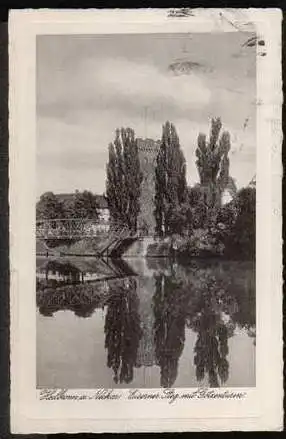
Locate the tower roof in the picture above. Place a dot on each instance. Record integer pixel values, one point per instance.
(148, 144)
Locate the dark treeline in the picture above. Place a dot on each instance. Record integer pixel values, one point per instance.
(78, 205)
(197, 215)
(196, 218)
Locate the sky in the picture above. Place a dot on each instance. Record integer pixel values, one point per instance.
(88, 85)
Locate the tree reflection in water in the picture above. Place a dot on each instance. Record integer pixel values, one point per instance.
(169, 311)
(218, 305)
(212, 302)
(122, 330)
(211, 349)
(212, 299)
(207, 314)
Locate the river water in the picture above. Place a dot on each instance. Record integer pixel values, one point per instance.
(145, 323)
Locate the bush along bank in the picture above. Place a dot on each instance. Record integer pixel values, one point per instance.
(228, 232)
(202, 244)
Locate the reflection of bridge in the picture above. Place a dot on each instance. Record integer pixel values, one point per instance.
(70, 287)
(114, 236)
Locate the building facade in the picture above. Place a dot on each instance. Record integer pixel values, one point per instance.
(148, 150)
(103, 210)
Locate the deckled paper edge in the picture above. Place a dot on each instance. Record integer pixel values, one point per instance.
(20, 422)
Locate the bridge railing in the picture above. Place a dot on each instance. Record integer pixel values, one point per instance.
(69, 228)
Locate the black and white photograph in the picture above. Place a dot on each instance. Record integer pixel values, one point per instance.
(145, 194)
(146, 175)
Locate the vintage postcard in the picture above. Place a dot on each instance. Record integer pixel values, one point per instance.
(145, 220)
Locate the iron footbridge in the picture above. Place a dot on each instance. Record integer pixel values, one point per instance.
(113, 237)
(70, 228)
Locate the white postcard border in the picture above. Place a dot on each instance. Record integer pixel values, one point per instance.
(262, 406)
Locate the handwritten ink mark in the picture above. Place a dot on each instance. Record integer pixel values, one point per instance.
(253, 41)
(250, 42)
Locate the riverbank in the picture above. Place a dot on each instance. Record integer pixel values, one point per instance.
(89, 247)
(198, 245)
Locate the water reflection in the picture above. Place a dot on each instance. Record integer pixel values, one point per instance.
(211, 349)
(170, 315)
(209, 317)
(152, 311)
(122, 331)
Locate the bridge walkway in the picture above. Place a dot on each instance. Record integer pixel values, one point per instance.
(113, 237)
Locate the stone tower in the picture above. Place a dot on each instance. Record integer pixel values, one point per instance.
(148, 150)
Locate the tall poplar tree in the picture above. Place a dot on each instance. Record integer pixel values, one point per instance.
(213, 163)
(124, 178)
(170, 179)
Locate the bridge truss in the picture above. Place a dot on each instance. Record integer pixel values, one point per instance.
(78, 228)
(113, 236)
(70, 228)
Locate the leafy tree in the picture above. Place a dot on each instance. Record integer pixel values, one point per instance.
(49, 207)
(241, 239)
(124, 178)
(213, 163)
(180, 220)
(198, 207)
(170, 180)
(133, 176)
(85, 205)
(112, 192)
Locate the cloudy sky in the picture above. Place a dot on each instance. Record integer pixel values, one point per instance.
(89, 85)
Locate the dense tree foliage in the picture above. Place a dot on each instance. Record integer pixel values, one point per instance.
(213, 163)
(85, 205)
(228, 230)
(241, 238)
(80, 205)
(124, 178)
(198, 215)
(49, 207)
(170, 181)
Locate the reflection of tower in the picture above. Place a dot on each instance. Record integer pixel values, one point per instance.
(169, 312)
(146, 350)
(148, 151)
